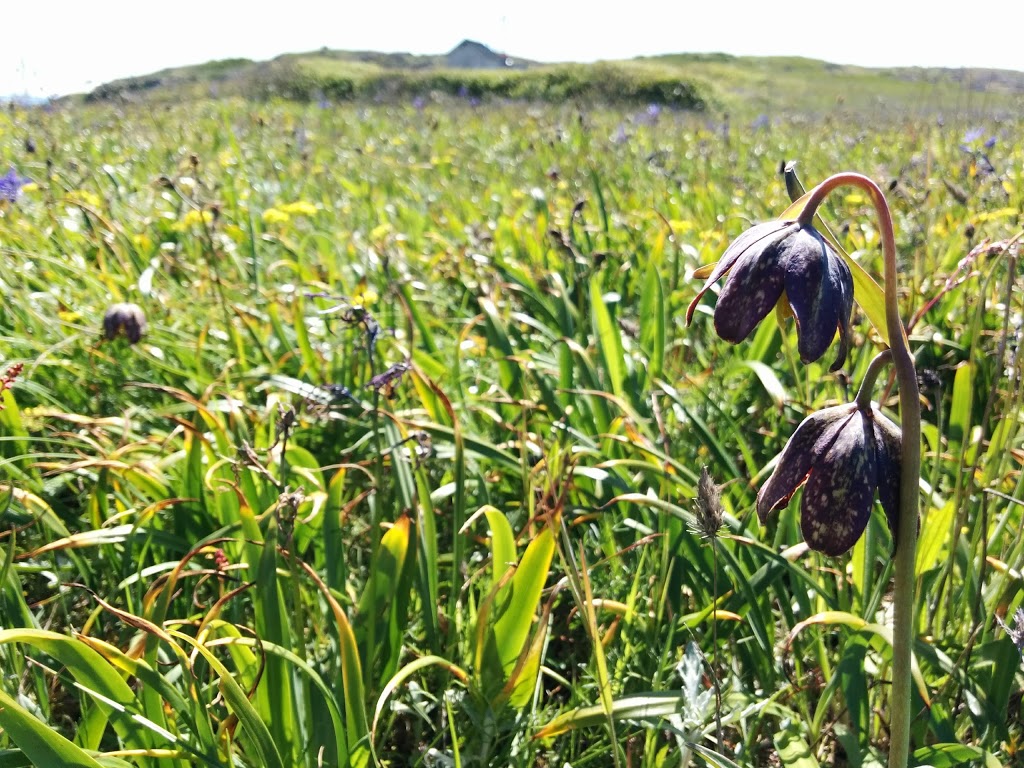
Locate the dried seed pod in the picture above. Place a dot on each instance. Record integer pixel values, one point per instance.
(124, 318)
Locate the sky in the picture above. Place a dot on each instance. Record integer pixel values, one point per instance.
(55, 47)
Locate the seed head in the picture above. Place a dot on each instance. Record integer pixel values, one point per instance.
(708, 506)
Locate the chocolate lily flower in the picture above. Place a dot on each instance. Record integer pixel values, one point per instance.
(124, 318)
(784, 259)
(843, 453)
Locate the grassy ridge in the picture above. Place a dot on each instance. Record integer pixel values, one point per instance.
(404, 466)
(778, 85)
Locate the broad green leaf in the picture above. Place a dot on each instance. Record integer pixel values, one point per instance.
(842, 618)
(868, 294)
(503, 546)
(498, 337)
(934, 534)
(653, 321)
(259, 735)
(94, 674)
(641, 706)
(793, 749)
(609, 340)
(953, 756)
(960, 412)
(40, 743)
(770, 381)
(513, 626)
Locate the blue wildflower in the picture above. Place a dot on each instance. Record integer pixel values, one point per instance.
(11, 184)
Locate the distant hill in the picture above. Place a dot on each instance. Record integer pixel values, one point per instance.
(810, 85)
(695, 81)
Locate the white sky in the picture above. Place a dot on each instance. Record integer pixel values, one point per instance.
(61, 46)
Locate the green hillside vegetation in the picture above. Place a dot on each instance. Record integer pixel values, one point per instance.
(687, 81)
(793, 83)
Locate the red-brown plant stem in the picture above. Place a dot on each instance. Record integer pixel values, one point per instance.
(910, 475)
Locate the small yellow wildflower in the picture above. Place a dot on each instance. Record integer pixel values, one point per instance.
(298, 208)
(194, 217)
(275, 216)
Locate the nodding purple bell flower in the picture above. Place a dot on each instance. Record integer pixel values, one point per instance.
(124, 318)
(843, 454)
(784, 260)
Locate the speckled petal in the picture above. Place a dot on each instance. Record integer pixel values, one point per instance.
(888, 451)
(814, 283)
(812, 438)
(837, 501)
(845, 281)
(757, 238)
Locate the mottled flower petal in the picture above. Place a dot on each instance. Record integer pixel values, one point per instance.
(753, 288)
(888, 453)
(837, 501)
(812, 438)
(815, 278)
(754, 239)
(845, 312)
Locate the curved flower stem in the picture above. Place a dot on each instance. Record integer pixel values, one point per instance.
(910, 475)
(867, 384)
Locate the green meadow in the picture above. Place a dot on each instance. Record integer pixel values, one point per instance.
(403, 470)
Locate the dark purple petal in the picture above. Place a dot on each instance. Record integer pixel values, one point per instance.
(814, 286)
(812, 438)
(837, 500)
(845, 282)
(756, 238)
(752, 289)
(888, 453)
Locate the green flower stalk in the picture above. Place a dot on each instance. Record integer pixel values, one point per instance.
(910, 463)
(847, 452)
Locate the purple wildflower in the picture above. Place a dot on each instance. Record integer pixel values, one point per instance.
(844, 454)
(124, 318)
(11, 184)
(762, 122)
(650, 115)
(419, 103)
(973, 135)
(784, 259)
(990, 142)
